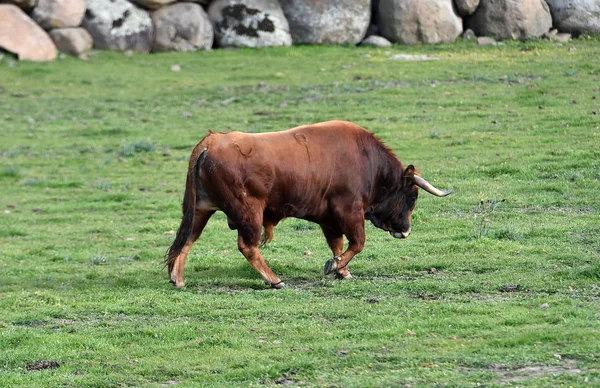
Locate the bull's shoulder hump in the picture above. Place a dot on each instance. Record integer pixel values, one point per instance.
(334, 126)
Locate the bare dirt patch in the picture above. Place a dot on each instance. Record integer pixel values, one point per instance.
(43, 364)
(510, 288)
(506, 375)
(424, 297)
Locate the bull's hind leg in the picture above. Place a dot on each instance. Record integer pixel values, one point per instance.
(201, 217)
(268, 232)
(248, 241)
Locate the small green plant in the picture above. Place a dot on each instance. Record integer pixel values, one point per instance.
(98, 260)
(102, 185)
(137, 147)
(507, 233)
(12, 171)
(486, 209)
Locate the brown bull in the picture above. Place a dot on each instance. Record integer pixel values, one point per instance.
(336, 174)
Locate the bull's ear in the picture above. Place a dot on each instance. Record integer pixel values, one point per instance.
(409, 172)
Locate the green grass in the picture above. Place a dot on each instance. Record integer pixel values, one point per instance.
(93, 157)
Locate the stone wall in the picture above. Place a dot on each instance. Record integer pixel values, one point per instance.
(37, 29)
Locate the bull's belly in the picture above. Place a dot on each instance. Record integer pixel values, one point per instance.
(290, 210)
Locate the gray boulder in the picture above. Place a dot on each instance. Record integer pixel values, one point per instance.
(22, 36)
(182, 27)
(466, 7)
(249, 23)
(419, 21)
(73, 41)
(59, 13)
(25, 4)
(152, 4)
(576, 16)
(118, 25)
(486, 41)
(376, 41)
(468, 34)
(511, 19)
(327, 21)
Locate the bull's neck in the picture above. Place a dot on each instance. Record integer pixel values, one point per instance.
(387, 183)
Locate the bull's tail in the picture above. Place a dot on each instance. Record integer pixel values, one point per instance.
(189, 205)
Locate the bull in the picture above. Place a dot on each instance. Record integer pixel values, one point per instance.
(335, 174)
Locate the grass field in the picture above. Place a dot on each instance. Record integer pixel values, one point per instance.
(499, 283)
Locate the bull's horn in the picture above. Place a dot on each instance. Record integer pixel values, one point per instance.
(422, 183)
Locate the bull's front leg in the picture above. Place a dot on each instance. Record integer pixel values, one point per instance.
(355, 232)
(335, 240)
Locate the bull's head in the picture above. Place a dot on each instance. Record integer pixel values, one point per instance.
(397, 215)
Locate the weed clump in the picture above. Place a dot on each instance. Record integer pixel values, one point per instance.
(12, 172)
(483, 227)
(137, 147)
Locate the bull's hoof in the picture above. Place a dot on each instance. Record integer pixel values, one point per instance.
(277, 286)
(330, 265)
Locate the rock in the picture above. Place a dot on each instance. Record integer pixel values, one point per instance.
(486, 41)
(407, 57)
(253, 23)
(182, 27)
(466, 7)
(22, 36)
(73, 41)
(551, 35)
(376, 41)
(419, 21)
(152, 4)
(118, 25)
(563, 37)
(511, 19)
(25, 4)
(468, 34)
(576, 16)
(556, 36)
(59, 13)
(327, 21)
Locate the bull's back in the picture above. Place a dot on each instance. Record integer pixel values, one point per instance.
(295, 170)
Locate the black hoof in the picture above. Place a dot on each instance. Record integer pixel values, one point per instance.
(330, 266)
